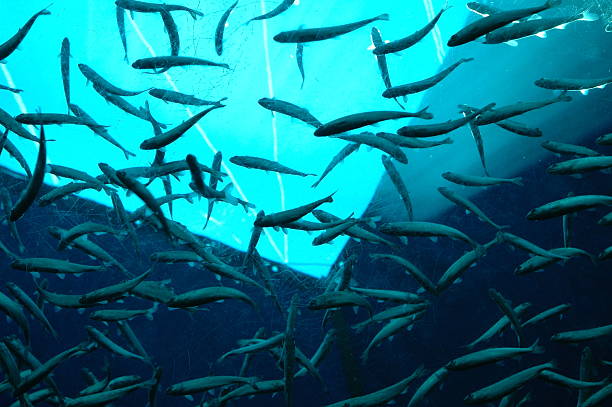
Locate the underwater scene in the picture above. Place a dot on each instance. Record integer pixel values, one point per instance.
(306, 203)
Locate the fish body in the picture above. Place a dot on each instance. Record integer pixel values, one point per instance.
(299, 58)
(519, 128)
(391, 328)
(424, 229)
(568, 205)
(478, 181)
(291, 215)
(605, 140)
(207, 295)
(460, 266)
(358, 120)
(382, 144)
(15, 312)
(580, 165)
(335, 299)
(173, 34)
(221, 28)
(419, 86)
(163, 63)
(494, 21)
(203, 384)
(9, 122)
(490, 355)
(10, 45)
(432, 130)
(113, 292)
(98, 81)
(323, 33)
(120, 17)
(264, 164)
(566, 84)
(31, 306)
(65, 69)
(582, 335)
(468, 205)
(549, 313)
(569, 149)
(536, 263)
(289, 109)
(519, 108)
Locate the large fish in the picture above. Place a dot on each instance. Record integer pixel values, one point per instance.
(358, 120)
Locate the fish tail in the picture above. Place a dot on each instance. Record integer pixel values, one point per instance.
(424, 114)
(518, 181)
(589, 16)
(384, 17)
(564, 97)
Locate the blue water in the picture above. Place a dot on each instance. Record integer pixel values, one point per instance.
(341, 78)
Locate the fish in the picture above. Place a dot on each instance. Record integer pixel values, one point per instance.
(537, 263)
(356, 232)
(432, 130)
(498, 326)
(83, 229)
(163, 63)
(506, 386)
(113, 292)
(16, 154)
(424, 229)
(104, 342)
(143, 193)
(358, 120)
(519, 128)
(9, 123)
(175, 133)
(291, 215)
(580, 165)
(99, 130)
(605, 140)
(10, 45)
(221, 28)
(156, 291)
(38, 374)
(289, 351)
(568, 205)
(336, 299)
(491, 355)
(478, 181)
(207, 383)
(387, 332)
(43, 119)
(505, 112)
(411, 269)
(65, 68)
(74, 174)
(382, 144)
(428, 385)
(145, 7)
(28, 195)
(31, 306)
(173, 34)
(568, 84)
(483, 10)
(606, 220)
(582, 334)
(266, 165)
(65, 190)
(556, 378)
(50, 265)
(249, 390)
(506, 307)
(120, 17)
(216, 166)
(424, 84)
(388, 295)
(468, 205)
(143, 113)
(477, 136)
(299, 58)
(569, 149)
(412, 142)
(410, 40)
(8, 88)
(281, 8)
(206, 295)
(302, 35)
(99, 82)
(289, 109)
(107, 396)
(494, 21)
(256, 346)
(461, 265)
(334, 231)
(114, 315)
(15, 312)
(549, 313)
(520, 243)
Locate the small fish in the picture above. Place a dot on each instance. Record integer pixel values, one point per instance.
(203, 384)
(216, 166)
(358, 120)
(299, 58)
(266, 165)
(569, 149)
(289, 109)
(175, 133)
(432, 130)
(582, 335)
(43, 119)
(494, 21)
(27, 197)
(289, 351)
(537, 263)
(410, 40)
(14, 311)
(498, 326)
(120, 16)
(163, 63)
(424, 229)
(323, 33)
(114, 315)
(536, 27)
(254, 346)
(400, 186)
(249, 390)
(281, 8)
(337, 159)
(145, 7)
(491, 355)
(335, 231)
(483, 10)
(335, 299)
(98, 81)
(49, 265)
(31, 306)
(580, 165)
(9, 123)
(173, 34)
(65, 68)
(461, 265)
(566, 84)
(478, 181)
(506, 307)
(83, 229)
(206, 295)
(291, 215)
(549, 313)
(605, 140)
(519, 108)
(221, 28)
(10, 45)
(468, 205)
(380, 143)
(104, 342)
(113, 292)
(419, 86)
(519, 128)
(428, 385)
(8, 88)
(506, 386)
(568, 205)
(520, 243)
(390, 329)
(411, 269)
(143, 113)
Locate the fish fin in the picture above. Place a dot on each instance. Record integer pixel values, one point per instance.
(512, 43)
(588, 16)
(541, 34)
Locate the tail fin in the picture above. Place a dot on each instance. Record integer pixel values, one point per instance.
(518, 181)
(384, 17)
